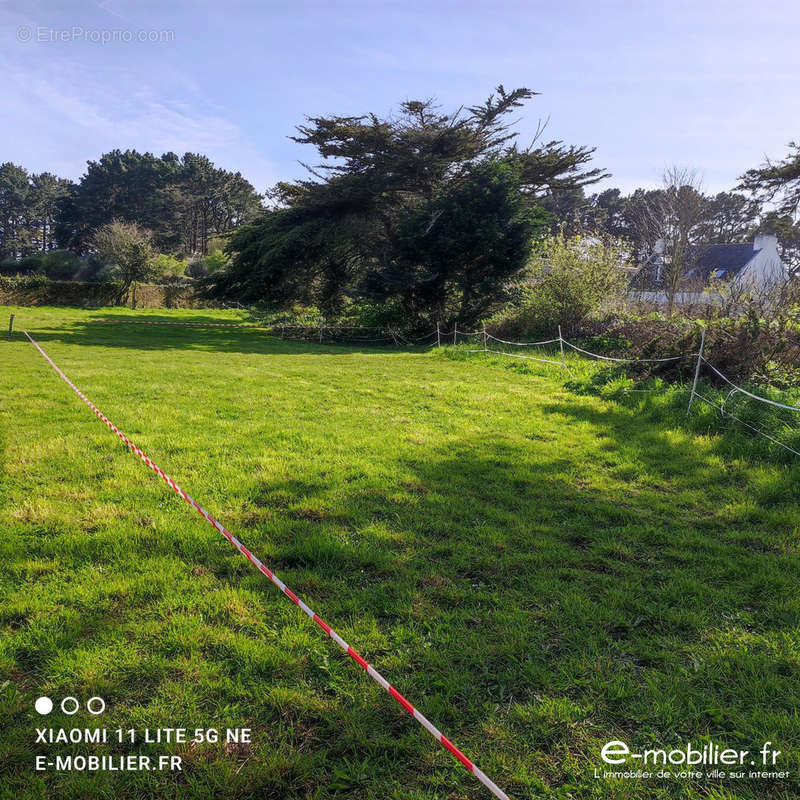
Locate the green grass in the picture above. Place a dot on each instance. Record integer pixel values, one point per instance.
(539, 570)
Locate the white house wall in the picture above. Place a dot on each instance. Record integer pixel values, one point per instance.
(681, 298)
(765, 270)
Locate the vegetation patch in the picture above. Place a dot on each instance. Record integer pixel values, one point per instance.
(542, 570)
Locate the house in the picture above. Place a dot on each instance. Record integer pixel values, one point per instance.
(710, 269)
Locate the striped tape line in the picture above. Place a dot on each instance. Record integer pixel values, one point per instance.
(273, 325)
(192, 324)
(371, 671)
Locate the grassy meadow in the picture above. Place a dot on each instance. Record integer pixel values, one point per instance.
(539, 570)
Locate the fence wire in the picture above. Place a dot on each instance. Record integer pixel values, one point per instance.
(359, 335)
(753, 428)
(697, 356)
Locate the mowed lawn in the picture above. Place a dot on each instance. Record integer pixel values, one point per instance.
(540, 572)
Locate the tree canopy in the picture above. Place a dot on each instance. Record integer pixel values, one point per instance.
(427, 210)
(29, 207)
(183, 201)
(777, 181)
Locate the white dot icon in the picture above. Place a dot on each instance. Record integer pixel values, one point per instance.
(44, 705)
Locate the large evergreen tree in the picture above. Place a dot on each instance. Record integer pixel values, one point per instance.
(46, 195)
(15, 235)
(29, 205)
(777, 181)
(432, 210)
(182, 201)
(455, 256)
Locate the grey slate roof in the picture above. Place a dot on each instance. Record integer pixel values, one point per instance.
(704, 264)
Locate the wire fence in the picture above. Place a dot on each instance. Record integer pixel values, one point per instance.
(697, 358)
(723, 412)
(486, 343)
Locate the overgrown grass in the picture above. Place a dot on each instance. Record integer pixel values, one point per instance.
(540, 570)
(749, 428)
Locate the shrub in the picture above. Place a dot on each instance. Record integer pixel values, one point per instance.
(167, 267)
(216, 260)
(23, 283)
(208, 265)
(126, 249)
(196, 269)
(744, 348)
(30, 264)
(568, 279)
(60, 265)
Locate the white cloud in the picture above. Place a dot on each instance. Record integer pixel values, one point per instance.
(60, 99)
(139, 119)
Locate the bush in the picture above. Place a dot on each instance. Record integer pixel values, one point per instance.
(126, 249)
(743, 348)
(208, 265)
(389, 314)
(167, 267)
(570, 278)
(60, 265)
(30, 264)
(196, 269)
(23, 283)
(215, 261)
(36, 290)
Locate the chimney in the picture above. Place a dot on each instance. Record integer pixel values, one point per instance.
(765, 241)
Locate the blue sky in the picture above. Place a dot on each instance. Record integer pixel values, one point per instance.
(707, 85)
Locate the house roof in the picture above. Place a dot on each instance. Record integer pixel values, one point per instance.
(704, 264)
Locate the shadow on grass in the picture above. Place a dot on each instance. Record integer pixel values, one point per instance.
(127, 334)
(652, 606)
(538, 593)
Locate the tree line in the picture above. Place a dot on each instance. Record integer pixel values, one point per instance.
(30, 205)
(432, 215)
(419, 215)
(183, 202)
(643, 216)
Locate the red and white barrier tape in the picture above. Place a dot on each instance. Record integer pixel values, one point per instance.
(191, 324)
(371, 671)
(273, 325)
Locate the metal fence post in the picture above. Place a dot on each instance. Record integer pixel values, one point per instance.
(697, 370)
(455, 334)
(485, 350)
(10, 326)
(561, 345)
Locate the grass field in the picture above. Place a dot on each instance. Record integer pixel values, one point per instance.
(539, 571)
